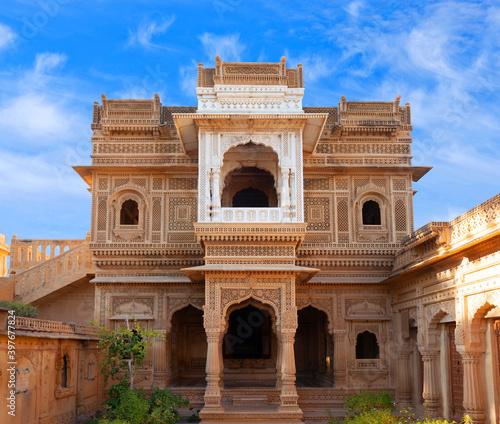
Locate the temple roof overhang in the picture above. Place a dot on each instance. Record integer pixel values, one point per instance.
(311, 124)
(197, 274)
(416, 172)
(85, 171)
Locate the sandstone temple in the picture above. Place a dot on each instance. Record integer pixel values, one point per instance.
(273, 246)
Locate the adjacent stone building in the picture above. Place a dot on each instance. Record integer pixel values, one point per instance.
(273, 246)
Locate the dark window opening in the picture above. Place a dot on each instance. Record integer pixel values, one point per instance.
(250, 198)
(248, 335)
(129, 214)
(371, 213)
(64, 372)
(367, 346)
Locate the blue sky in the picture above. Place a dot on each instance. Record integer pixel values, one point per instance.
(57, 58)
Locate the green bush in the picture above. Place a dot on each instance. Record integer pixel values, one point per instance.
(21, 309)
(132, 408)
(367, 401)
(377, 416)
(163, 406)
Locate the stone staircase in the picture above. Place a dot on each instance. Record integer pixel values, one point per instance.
(35, 274)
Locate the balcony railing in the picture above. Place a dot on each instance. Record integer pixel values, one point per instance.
(251, 215)
(256, 79)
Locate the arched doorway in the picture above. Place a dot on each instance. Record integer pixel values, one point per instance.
(313, 349)
(249, 346)
(188, 348)
(249, 176)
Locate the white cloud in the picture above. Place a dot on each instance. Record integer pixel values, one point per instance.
(7, 36)
(36, 108)
(46, 62)
(317, 67)
(188, 76)
(148, 29)
(228, 47)
(354, 8)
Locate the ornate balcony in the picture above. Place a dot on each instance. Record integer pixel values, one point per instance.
(250, 215)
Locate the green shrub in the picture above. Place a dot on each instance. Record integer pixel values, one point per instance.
(163, 406)
(376, 416)
(21, 309)
(132, 408)
(367, 401)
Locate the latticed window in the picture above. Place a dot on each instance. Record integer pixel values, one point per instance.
(129, 214)
(367, 346)
(371, 213)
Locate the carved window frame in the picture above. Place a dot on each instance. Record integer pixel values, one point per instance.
(128, 233)
(381, 230)
(378, 329)
(61, 391)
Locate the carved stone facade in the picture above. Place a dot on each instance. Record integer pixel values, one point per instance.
(273, 247)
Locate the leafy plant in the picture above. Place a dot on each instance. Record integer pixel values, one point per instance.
(366, 401)
(21, 309)
(378, 408)
(163, 407)
(122, 352)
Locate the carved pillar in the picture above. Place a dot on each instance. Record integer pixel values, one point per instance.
(405, 393)
(279, 361)
(474, 404)
(221, 360)
(285, 195)
(212, 392)
(339, 359)
(159, 362)
(431, 394)
(293, 204)
(288, 395)
(168, 358)
(216, 196)
(208, 198)
(34, 253)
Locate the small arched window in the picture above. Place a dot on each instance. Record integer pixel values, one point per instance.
(129, 214)
(64, 372)
(371, 213)
(367, 346)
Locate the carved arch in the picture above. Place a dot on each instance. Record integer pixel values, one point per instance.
(434, 313)
(181, 303)
(327, 310)
(271, 141)
(478, 307)
(258, 299)
(253, 302)
(127, 193)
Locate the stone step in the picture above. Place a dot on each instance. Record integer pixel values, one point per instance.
(249, 400)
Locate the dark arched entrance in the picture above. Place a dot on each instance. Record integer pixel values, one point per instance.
(313, 349)
(249, 346)
(187, 345)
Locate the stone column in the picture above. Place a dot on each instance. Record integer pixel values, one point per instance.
(339, 359)
(216, 196)
(208, 198)
(431, 394)
(279, 360)
(160, 361)
(212, 392)
(405, 393)
(168, 357)
(474, 404)
(285, 195)
(221, 360)
(288, 395)
(293, 204)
